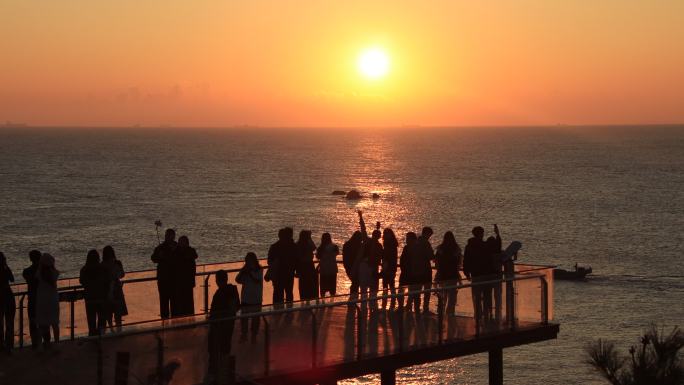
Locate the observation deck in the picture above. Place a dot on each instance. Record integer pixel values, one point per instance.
(300, 343)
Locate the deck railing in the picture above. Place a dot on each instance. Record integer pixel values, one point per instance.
(140, 288)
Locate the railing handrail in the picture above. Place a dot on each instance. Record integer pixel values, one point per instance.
(308, 307)
(197, 274)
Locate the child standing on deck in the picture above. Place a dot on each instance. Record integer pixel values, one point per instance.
(224, 305)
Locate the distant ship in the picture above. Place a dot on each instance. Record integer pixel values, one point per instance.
(9, 124)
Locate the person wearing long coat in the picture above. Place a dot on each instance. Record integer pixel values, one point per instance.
(47, 299)
(306, 270)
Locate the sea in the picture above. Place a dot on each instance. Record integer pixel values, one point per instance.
(611, 197)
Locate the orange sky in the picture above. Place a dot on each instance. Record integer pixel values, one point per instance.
(293, 63)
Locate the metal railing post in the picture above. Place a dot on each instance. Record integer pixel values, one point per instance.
(100, 363)
(401, 330)
(314, 339)
(359, 332)
(160, 360)
(267, 347)
(21, 321)
(206, 294)
(544, 301)
(72, 312)
(440, 315)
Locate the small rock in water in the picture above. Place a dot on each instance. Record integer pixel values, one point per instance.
(353, 194)
(339, 192)
(376, 196)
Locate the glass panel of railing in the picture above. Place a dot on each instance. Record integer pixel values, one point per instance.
(528, 301)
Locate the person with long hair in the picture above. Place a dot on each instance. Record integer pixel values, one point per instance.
(115, 304)
(96, 285)
(7, 306)
(327, 266)
(308, 285)
(251, 294)
(47, 299)
(449, 260)
(389, 265)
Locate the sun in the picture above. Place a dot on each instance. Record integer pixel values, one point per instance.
(373, 63)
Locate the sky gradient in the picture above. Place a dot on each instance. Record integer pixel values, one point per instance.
(293, 63)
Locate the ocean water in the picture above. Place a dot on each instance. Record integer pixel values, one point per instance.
(609, 197)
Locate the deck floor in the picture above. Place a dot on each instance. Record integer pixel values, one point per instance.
(290, 347)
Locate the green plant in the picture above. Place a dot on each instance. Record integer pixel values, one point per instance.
(655, 361)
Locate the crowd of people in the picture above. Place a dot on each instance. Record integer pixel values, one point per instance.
(370, 262)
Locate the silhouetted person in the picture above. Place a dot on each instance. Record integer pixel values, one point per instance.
(327, 266)
(405, 263)
(282, 263)
(183, 301)
(369, 263)
(449, 259)
(306, 270)
(389, 264)
(29, 274)
(224, 304)
(496, 269)
(115, 305)
(477, 265)
(251, 294)
(7, 306)
(164, 256)
(96, 287)
(47, 299)
(421, 269)
(350, 252)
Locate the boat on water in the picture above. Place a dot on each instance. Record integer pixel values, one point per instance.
(579, 274)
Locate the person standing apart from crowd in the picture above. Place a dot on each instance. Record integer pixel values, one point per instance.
(224, 304)
(29, 275)
(115, 304)
(306, 270)
(405, 263)
(183, 302)
(389, 265)
(282, 263)
(327, 266)
(164, 256)
(251, 295)
(449, 259)
(421, 269)
(47, 300)
(7, 306)
(96, 287)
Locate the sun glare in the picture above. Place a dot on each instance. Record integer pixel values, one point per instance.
(373, 63)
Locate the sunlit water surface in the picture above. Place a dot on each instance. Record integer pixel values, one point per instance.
(608, 197)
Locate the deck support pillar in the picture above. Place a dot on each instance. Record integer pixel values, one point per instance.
(496, 367)
(388, 377)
